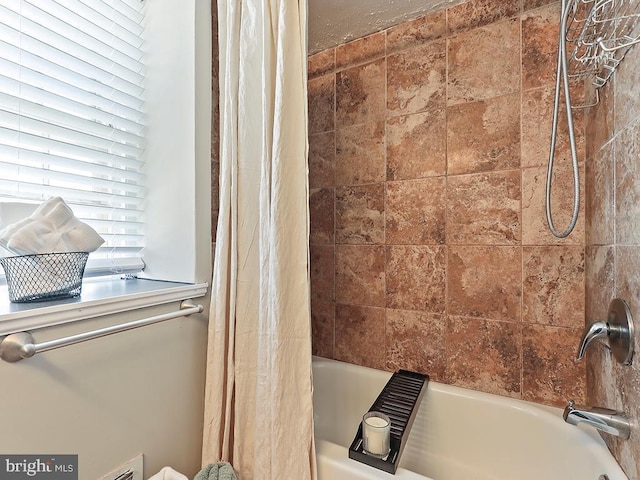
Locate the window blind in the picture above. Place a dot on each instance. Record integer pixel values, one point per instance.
(72, 120)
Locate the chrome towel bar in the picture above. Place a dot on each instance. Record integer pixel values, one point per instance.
(17, 346)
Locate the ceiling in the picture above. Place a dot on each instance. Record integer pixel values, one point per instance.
(332, 22)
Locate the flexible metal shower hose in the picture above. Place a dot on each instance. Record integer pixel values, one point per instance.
(562, 75)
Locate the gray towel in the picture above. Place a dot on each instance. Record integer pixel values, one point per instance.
(217, 471)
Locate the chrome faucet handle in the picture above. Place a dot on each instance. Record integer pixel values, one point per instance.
(618, 330)
(590, 333)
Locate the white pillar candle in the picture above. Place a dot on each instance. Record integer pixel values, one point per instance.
(376, 434)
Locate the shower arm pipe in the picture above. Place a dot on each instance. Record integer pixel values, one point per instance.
(562, 76)
(18, 346)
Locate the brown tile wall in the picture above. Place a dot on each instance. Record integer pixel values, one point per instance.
(429, 246)
(612, 259)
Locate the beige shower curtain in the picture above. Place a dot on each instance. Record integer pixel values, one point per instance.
(258, 399)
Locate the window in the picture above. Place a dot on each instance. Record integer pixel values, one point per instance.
(173, 172)
(170, 181)
(72, 120)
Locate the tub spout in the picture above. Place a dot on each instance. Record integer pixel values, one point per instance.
(603, 419)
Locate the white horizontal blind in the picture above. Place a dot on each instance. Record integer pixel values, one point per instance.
(72, 118)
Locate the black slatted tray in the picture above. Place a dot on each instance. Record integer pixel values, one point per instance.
(398, 400)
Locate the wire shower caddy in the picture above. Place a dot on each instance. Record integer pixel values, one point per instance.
(595, 35)
(598, 35)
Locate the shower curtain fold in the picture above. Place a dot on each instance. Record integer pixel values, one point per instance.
(258, 398)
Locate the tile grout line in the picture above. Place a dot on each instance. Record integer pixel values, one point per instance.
(521, 68)
(447, 321)
(335, 167)
(384, 204)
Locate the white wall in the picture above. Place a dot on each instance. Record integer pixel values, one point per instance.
(109, 399)
(178, 104)
(139, 391)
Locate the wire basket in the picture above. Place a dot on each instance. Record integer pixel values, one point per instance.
(33, 278)
(598, 35)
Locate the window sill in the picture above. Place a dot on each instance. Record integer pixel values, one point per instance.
(99, 297)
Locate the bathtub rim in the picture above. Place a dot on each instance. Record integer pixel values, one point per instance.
(339, 457)
(595, 444)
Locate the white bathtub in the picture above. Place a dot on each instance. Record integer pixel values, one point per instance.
(458, 434)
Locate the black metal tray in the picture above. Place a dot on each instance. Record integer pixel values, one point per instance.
(398, 400)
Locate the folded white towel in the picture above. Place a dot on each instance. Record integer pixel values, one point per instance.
(56, 211)
(82, 238)
(168, 473)
(37, 236)
(52, 228)
(9, 230)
